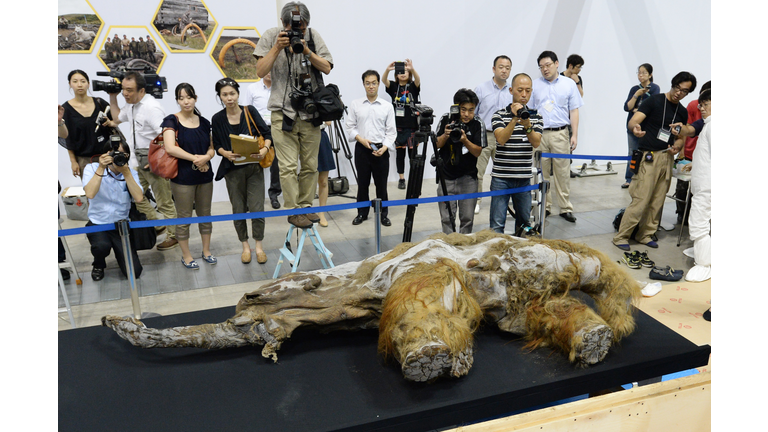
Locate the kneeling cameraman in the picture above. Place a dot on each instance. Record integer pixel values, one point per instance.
(109, 185)
(460, 139)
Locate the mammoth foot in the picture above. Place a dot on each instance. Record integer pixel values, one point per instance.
(434, 360)
(591, 344)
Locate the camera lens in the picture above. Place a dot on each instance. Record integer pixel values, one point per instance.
(296, 46)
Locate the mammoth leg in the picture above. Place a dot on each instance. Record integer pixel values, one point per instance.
(567, 324)
(427, 322)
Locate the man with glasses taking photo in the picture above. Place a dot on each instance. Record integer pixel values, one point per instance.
(557, 100)
(653, 123)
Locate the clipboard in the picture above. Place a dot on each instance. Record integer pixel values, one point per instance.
(245, 145)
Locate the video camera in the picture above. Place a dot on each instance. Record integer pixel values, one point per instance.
(118, 158)
(155, 84)
(523, 113)
(295, 34)
(424, 118)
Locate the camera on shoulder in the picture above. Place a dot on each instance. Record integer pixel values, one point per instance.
(155, 84)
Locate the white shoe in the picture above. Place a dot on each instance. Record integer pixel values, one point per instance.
(652, 289)
(477, 208)
(699, 273)
(689, 253)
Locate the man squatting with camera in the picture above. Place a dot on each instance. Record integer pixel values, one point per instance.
(144, 114)
(518, 133)
(294, 54)
(109, 185)
(460, 140)
(371, 123)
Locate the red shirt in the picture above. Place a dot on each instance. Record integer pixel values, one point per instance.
(693, 115)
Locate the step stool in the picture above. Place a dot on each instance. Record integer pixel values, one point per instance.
(287, 254)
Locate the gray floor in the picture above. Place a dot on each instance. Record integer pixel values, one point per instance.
(596, 200)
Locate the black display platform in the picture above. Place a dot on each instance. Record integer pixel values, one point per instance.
(329, 382)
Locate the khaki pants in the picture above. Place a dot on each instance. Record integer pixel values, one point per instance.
(557, 142)
(648, 190)
(188, 197)
(297, 152)
(161, 189)
(486, 156)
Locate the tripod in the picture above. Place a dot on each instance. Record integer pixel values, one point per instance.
(416, 177)
(339, 142)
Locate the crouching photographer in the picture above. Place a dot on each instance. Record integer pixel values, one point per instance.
(295, 55)
(110, 185)
(460, 139)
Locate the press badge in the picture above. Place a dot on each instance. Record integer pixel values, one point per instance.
(400, 112)
(664, 135)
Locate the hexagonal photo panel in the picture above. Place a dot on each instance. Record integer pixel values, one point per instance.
(79, 26)
(185, 26)
(131, 48)
(233, 53)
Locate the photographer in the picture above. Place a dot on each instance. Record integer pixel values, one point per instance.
(110, 185)
(460, 140)
(145, 115)
(404, 90)
(294, 54)
(518, 132)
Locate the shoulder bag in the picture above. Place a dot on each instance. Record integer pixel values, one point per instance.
(270, 156)
(160, 162)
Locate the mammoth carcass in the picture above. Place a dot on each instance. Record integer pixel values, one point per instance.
(428, 298)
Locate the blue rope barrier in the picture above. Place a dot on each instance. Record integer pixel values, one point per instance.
(573, 156)
(291, 212)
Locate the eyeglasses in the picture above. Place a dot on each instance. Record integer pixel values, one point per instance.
(226, 81)
(705, 105)
(677, 88)
(546, 66)
(371, 84)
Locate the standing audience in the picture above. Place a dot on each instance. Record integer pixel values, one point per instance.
(403, 91)
(638, 94)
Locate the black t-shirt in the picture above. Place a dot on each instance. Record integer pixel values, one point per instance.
(401, 95)
(194, 141)
(221, 129)
(463, 163)
(83, 139)
(659, 111)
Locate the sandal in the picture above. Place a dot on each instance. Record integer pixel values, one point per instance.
(192, 264)
(666, 274)
(210, 259)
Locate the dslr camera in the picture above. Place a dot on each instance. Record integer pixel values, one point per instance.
(156, 85)
(118, 158)
(295, 34)
(456, 124)
(522, 113)
(301, 96)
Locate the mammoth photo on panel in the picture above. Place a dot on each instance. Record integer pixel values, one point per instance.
(79, 26)
(233, 53)
(184, 25)
(131, 48)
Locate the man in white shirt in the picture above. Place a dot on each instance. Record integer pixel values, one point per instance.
(144, 114)
(371, 123)
(257, 94)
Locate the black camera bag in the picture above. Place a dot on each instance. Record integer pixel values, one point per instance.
(326, 97)
(338, 186)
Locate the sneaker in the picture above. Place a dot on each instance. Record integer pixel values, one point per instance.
(169, 243)
(643, 258)
(300, 221)
(630, 259)
(401, 184)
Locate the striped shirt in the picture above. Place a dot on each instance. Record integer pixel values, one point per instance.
(514, 158)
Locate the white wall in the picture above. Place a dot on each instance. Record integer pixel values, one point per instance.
(452, 44)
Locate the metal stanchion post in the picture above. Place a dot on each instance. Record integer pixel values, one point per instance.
(122, 229)
(544, 187)
(377, 224)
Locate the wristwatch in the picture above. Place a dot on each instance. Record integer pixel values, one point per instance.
(529, 130)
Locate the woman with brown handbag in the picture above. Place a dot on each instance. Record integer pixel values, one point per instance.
(187, 137)
(245, 181)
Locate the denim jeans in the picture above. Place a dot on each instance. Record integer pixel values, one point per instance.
(521, 202)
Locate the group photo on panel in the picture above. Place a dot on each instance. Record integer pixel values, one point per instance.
(271, 143)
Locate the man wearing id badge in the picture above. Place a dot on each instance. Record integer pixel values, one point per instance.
(658, 146)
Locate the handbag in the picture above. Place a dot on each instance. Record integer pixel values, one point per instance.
(142, 238)
(338, 186)
(270, 156)
(160, 162)
(327, 97)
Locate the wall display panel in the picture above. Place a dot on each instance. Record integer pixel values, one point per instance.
(233, 53)
(131, 48)
(79, 26)
(184, 26)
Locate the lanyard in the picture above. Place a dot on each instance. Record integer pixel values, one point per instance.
(664, 114)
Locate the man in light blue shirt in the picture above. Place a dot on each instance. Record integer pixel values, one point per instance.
(493, 95)
(557, 100)
(110, 188)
